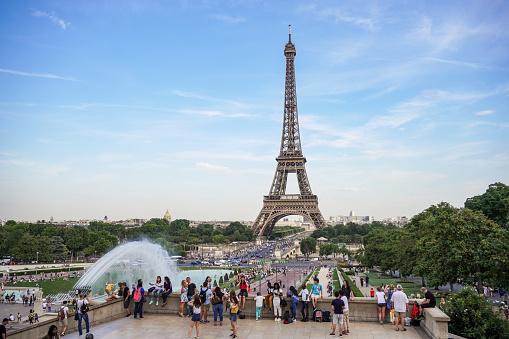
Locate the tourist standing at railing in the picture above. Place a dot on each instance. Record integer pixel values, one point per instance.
(294, 297)
(126, 296)
(82, 306)
(347, 290)
(217, 304)
(278, 294)
(305, 303)
(158, 290)
(183, 297)
(191, 291)
(138, 295)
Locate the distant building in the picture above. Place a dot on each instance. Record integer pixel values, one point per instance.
(167, 216)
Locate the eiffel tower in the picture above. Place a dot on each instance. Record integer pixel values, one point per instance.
(278, 204)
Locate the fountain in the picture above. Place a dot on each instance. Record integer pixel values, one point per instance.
(130, 262)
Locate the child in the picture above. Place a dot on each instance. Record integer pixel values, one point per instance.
(259, 303)
(195, 319)
(234, 309)
(372, 292)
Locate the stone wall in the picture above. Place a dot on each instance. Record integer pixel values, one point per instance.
(98, 314)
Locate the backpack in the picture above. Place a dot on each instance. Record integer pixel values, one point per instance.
(287, 318)
(317, 315)
(137, 294)
(61, 313)
(203, 295)
(415, 311)
(84, 308)
(326, 316)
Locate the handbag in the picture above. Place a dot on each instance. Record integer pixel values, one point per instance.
(143, 298)
(76, 317)
(150, 290)
(283, 303)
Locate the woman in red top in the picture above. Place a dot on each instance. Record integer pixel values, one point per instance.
(243, 284)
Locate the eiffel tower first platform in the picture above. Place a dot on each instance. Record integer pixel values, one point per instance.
(278, 204)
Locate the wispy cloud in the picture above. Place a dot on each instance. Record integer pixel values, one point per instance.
(38, 75)
(339, 15)
(487, 112)
(229, 19)
(211, 166)
(455, 62)
(53, 17)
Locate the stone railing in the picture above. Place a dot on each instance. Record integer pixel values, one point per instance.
(361, 310)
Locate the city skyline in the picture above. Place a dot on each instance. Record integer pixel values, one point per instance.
(127, 109)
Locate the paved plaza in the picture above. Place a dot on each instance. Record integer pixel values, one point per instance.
(164, 326)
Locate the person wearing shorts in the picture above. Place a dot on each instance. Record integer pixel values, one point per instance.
(399, 302)
(62, 323)
(243, 284)
(337, 308)
(126, 295)
(316, 292)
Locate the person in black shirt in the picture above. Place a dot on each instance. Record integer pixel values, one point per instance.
(3, 330)
(191, 290)
(429, 301)
(337, 307)
(126, 295)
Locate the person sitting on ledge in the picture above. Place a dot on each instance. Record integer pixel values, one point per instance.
(429, 302)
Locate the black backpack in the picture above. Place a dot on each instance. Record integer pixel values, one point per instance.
(287, 318)
(326, 316)
(203, 295)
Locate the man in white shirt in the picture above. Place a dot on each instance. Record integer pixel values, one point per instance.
(400, 306)
(82, 315)
(62, 322)
(305, 304)
(346, 320)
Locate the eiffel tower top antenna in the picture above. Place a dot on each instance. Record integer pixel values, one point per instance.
(289, 33)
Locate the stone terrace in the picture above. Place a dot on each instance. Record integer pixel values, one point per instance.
(170, 326)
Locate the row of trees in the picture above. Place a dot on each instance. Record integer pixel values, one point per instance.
(47, 242)
(443, 243)
(349, 233)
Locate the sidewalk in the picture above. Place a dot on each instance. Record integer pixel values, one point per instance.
(166, 327)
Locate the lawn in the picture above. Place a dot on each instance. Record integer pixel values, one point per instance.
(50, 287)
(408, 288)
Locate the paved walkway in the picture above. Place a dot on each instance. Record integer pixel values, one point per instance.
(166, 327)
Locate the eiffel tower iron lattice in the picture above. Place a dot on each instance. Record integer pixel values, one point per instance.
(278, 204)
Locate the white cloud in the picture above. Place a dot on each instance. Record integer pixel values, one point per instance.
(38, 75)
(339, 15)
(55, 19)
(211, 166)
(229, 19)
(487, 112)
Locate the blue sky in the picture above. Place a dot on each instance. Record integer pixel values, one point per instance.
(127, 108)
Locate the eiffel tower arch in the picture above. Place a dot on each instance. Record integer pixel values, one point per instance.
(278, 204)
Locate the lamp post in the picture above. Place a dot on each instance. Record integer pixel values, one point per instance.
(36, 263)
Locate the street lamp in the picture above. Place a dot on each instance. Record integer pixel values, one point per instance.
(36, 263)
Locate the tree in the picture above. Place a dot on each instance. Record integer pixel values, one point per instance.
(218, 239)
(460, 243)
(494, 203)
(308, 246)
(76, 238)
(59, 251)
(325, 250)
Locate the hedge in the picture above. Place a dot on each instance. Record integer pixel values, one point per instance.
(355, 289)
(53, 270)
